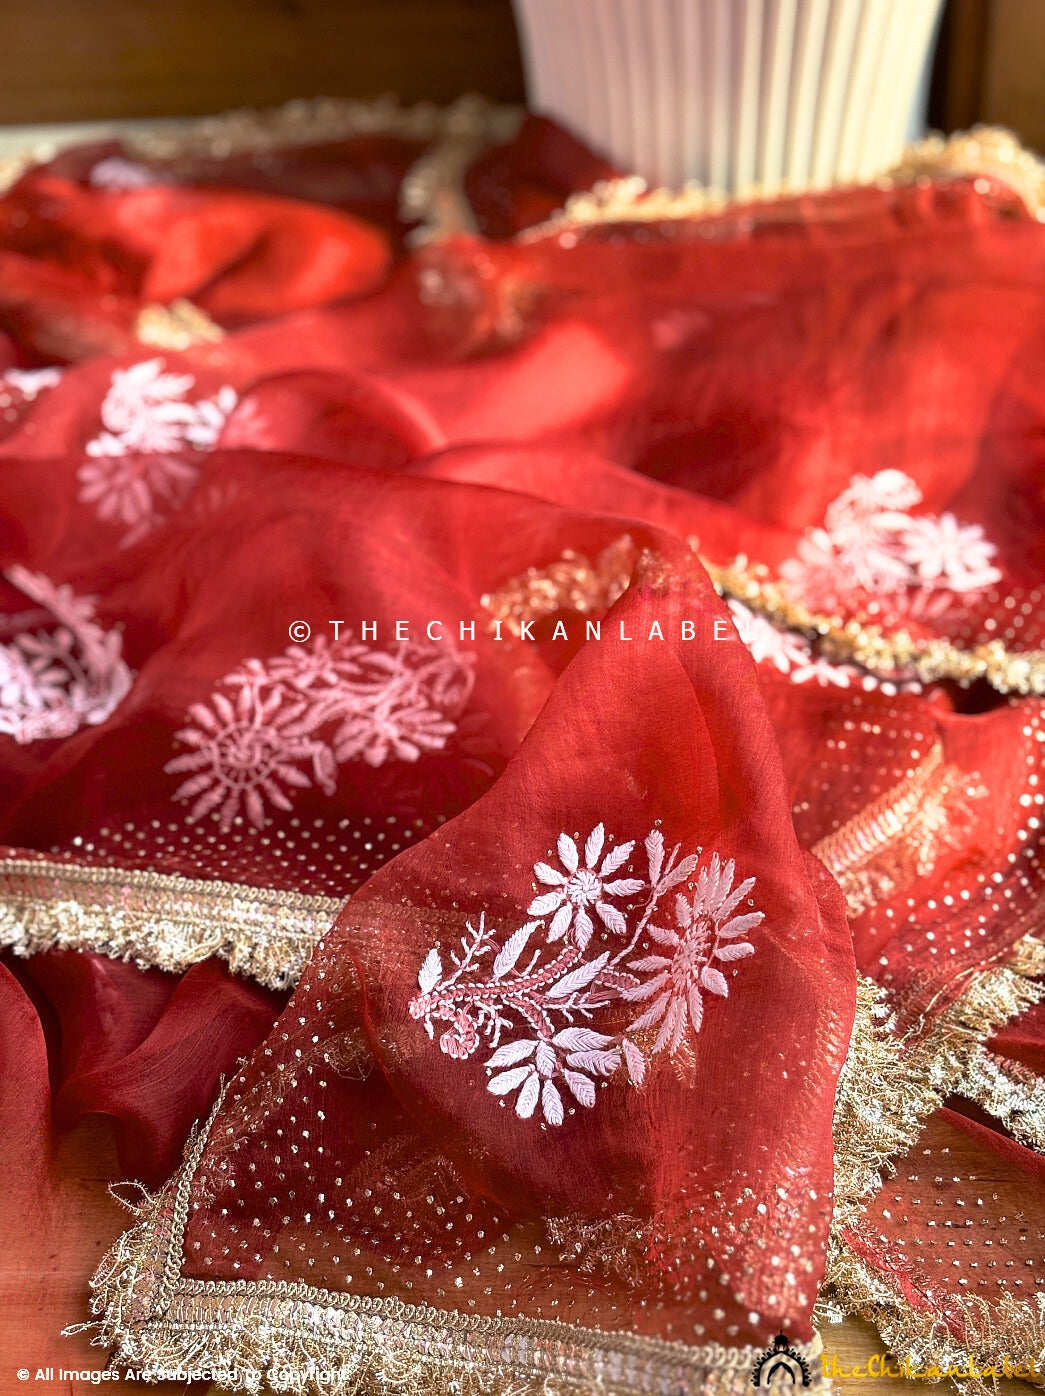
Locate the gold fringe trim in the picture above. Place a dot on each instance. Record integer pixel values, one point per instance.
(985, 150)
(889, 1086)
(176, 326)
(886, 654)
(1009, 1091)
(958, 1330)
(160, 921)
(888, 1089)
(431, 192)
(303, 1340)
(571, 583)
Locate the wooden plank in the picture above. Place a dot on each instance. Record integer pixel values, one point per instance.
(1013, 90)
(92, 59)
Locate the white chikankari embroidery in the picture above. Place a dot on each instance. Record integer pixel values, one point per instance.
(31, 382)
(533, 998)
(279, 725)
(871, 542)
(134, 473)
(54, 681)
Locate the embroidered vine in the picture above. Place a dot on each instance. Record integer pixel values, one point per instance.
(284, 724)
(533, 999)
(137, 469)
(59, 678)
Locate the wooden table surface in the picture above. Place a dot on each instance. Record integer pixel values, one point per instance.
(49, 1290)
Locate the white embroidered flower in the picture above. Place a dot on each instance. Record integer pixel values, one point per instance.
(871, 542)
(54, 681)
(31, 382)
(945, 553)
(882, 500)
(29, 683)
(322, 704)
(126, 489)
(245, 753)
(401, 726)
(703, 923)
(146, 412)
(580, 887)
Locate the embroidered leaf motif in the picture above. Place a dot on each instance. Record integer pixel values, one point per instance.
(635, 1062)
(508, 1080)
(430, 973)
(734, 952)
(714, 980)
(593, 847)
(508, 957)
(655, 854)
(581, 1087)
(551, 1103)
(581, 1040)
(578, 978)
(512, 1052)
(527, 1101)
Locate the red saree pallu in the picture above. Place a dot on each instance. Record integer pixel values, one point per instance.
(499, 1100)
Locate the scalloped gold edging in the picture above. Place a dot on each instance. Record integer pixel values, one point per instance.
(312, 1340)
(160, 921)
(887, 1091)
(885, 654)
(990, 151)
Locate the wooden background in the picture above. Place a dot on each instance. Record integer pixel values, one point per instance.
(81, 60)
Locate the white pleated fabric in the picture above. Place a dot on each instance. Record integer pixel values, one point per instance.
(738, 95)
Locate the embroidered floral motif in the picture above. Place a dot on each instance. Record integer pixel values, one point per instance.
(31, 382)
(702, 923)
(871, 542)
(315, 707)
(535, 996)
(55, 681)
(146, 413)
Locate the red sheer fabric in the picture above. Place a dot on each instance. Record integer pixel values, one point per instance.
(294, 646)
(609, 1138)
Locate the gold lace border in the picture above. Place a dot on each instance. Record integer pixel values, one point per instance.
(159, 1321)
(887, 1091)
(160, 921)
(884, 653)
(992, 151)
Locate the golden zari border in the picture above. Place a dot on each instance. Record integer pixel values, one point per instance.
(160, 921)
(880, 652)
(431, 193)
(310, 1340)
(989, 151)
(573, 582)
(887, 1092)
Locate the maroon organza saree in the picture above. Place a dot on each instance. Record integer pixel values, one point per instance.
(520, 766)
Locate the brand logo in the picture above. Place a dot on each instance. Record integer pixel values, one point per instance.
(780, 1363)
